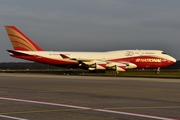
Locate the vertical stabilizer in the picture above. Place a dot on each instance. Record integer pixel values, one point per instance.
(20, 41)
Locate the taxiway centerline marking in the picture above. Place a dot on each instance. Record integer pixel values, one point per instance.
(86, 108)
(41, 111)
(10, 117)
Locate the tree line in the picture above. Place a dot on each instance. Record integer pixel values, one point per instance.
(25, 66)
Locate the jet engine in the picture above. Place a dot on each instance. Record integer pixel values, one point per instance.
(103, 65)
(117, 66)
(98, 65)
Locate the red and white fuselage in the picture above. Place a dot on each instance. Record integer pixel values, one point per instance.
(120, 60)
(135, 58)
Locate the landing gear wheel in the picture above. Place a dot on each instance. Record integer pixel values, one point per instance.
(158, 70)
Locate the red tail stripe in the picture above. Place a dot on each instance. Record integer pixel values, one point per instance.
(37, 47)
(14, 41)
(18, 37)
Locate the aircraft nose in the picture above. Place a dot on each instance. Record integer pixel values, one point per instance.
(173, 59)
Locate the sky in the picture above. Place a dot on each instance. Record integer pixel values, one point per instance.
(93, 25)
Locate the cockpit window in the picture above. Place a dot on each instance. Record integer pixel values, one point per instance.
(164, 53)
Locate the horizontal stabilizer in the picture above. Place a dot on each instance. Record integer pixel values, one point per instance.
(13, 52)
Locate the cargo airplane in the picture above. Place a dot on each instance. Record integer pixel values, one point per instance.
(120, 60)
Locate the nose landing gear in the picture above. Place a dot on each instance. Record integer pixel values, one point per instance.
(158, 70)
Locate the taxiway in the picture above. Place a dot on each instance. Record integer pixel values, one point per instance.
(35, 96)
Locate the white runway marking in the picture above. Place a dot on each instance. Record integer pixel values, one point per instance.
(10, 117)
(85, 108)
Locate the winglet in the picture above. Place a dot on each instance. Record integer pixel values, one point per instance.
(64, 56)
(20, 41)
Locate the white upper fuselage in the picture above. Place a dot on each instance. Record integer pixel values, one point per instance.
(101, 55)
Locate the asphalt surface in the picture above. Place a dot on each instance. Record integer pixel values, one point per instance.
(53, 97)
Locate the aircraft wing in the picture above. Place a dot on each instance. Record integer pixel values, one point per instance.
(99, 64)
(78, 59)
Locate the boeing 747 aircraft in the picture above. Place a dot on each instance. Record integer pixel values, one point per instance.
(120, 60)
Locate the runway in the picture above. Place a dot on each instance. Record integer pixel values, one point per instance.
(35, 97)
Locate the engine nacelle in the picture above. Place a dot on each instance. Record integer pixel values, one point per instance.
(98, 65)
(120, 68)
(117, 66)
(103, 65)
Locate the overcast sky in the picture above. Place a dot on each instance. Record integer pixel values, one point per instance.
(93, 25)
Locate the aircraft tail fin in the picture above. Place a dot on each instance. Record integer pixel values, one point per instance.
(20, 41)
